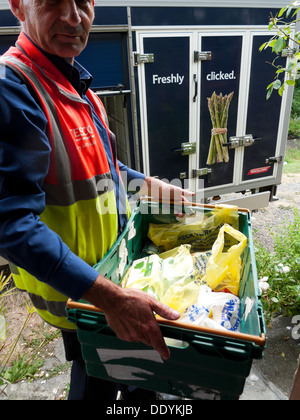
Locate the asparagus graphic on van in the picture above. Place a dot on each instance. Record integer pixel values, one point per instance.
(218, 107)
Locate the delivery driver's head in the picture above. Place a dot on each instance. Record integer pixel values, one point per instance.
(60, 27)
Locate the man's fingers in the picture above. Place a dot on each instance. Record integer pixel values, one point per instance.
(160, 346)
(165, 311)
(157, 340)
(133, 319)
(154, 338)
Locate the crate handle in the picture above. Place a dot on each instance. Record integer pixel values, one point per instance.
(260, 341)
(71, 304)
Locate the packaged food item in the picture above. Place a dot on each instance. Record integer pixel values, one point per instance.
(214, 310)
(144, 275)
(150, 248)
(158, 276)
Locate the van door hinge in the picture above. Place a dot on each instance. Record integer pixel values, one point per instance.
(202, 56)
(143, 58)
(275, 159)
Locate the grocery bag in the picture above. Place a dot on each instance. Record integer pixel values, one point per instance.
(200, 235)
(223, 268)
(158, 276)
(214, 310)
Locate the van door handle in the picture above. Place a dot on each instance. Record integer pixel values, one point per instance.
(196, 88)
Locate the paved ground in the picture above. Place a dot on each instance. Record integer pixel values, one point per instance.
(272, 377)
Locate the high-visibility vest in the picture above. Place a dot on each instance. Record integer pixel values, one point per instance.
(81, 203)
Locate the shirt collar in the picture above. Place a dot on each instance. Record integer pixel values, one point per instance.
(76, 74)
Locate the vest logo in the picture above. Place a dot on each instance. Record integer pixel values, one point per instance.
(85, 134)
(82, 133)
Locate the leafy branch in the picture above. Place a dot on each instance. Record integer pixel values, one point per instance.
(284, 42)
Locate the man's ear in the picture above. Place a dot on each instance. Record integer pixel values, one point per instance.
(16, 7)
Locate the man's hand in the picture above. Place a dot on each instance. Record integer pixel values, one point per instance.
(130, 313)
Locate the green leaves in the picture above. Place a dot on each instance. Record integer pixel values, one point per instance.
(279, 45)
(277, 85)
(282, 270)
(282, 11)
(282, 41)
(288, 9)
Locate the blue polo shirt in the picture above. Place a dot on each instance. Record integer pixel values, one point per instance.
(24, 161)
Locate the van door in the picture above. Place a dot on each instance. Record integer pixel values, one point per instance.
(220, 77)
(164, 97)
(263, 116)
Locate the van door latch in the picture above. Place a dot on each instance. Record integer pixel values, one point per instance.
(143, 58)
(197, 173)
(202, 56)
(186, 149)
(242, 141)
(275, 159)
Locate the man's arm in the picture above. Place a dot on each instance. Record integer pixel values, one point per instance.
(24, 161)
(29, 243)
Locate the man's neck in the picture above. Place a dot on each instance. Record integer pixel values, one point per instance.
(67, 68)
(69, 60)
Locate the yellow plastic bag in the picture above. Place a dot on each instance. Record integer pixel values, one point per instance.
(182, 290)
(175, 276)
(201, 235)
(223, 268)
(182, 294)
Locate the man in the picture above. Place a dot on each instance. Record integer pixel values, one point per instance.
(55, 148)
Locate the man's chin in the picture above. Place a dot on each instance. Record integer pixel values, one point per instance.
(69, 51)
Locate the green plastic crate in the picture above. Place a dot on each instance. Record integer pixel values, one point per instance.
(204, 364)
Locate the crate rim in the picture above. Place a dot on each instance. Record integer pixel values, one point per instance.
(191, 204)
(258, 340)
